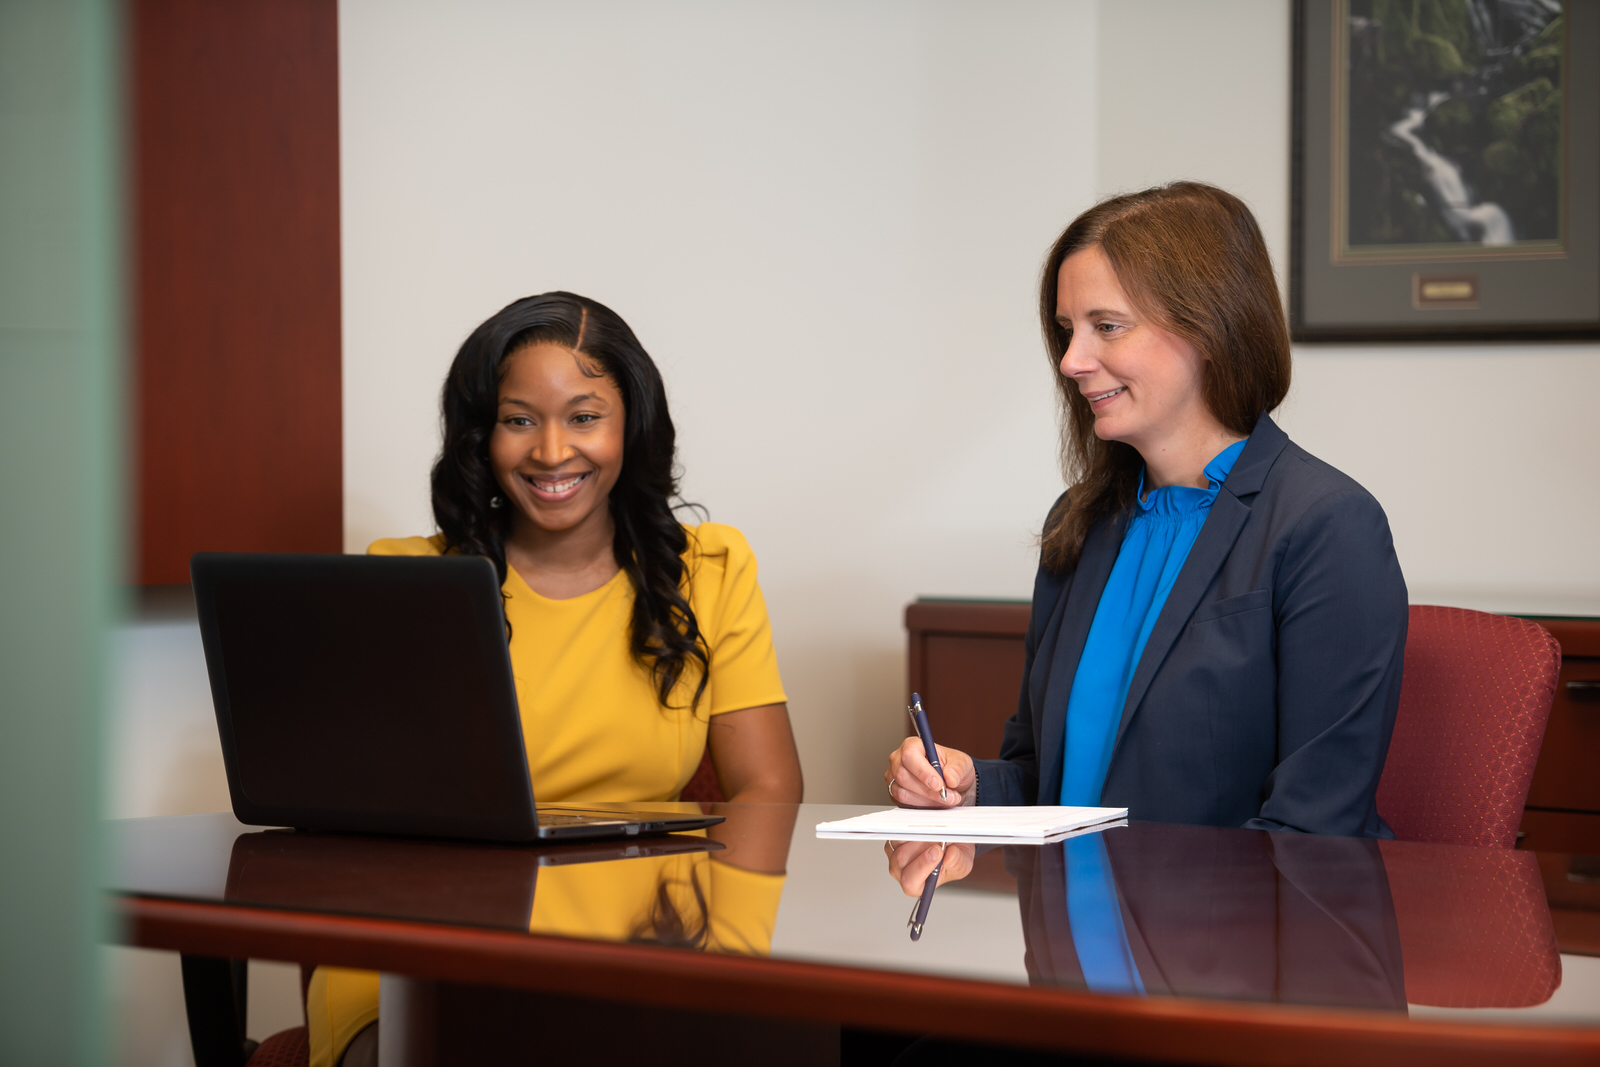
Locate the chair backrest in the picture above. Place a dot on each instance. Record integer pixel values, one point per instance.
(702, 786)
(1473, 704)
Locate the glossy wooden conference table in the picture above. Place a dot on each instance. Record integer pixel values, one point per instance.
(1253, 948)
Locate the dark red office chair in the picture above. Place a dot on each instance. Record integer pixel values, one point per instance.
(286, 1048)
(291, 1047)
(703, 787)
(215, 992)
(1473, 704)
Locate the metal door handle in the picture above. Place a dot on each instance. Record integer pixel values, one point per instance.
(1586, 691)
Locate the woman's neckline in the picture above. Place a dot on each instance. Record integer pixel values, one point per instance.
(596, 591)
(1216, 472)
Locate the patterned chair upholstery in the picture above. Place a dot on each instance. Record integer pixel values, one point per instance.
(1473, 704)
(286, 1048)
(703, 786)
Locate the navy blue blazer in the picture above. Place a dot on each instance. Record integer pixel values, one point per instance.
(1267, 690)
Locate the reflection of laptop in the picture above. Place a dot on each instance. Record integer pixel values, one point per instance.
(374, 694)
(455, 882)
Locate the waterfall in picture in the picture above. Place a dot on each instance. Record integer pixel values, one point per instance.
(1485, 222)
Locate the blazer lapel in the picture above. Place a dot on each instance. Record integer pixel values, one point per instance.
(1056, 666)
(1228, 515)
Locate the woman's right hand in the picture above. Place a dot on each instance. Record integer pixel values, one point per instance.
(913, 783)
(910, 862)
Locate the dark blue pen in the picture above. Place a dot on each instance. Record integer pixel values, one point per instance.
(919, 914)
(919, 721)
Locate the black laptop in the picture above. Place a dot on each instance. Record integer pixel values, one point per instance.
(373, 694)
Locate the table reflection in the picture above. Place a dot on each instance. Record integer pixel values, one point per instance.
(1267, 917)
(716, 891)
(1147, 909)
(1288, 918)
(1475, 926)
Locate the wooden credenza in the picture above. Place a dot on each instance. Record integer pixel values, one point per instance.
(1563, 809)
(965, 658)
(966, 661)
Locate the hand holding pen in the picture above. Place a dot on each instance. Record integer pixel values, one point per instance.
(921, 866)
(923, 774)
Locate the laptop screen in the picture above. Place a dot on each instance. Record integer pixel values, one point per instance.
(369, 689)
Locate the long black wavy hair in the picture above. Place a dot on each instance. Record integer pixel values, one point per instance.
(649, 541)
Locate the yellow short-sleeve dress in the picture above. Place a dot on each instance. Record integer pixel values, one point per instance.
(595, 730)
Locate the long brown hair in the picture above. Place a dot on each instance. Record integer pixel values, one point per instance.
(1190, 256)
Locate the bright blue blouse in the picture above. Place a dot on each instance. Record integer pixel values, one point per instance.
(1160, 534)
(1094, 916)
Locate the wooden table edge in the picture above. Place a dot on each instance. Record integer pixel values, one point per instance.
(1167, 1028)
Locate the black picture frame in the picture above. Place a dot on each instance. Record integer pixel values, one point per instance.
(1341, 292)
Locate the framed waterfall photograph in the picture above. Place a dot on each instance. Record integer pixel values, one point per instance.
(1446, 170)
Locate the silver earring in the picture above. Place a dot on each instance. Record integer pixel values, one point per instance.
(497, 501)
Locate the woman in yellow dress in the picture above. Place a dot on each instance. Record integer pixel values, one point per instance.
(637, 643)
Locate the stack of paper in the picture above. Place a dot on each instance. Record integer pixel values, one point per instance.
(974, 824)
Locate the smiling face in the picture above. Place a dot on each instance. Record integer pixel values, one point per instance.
(1143, 382)
(557, 443)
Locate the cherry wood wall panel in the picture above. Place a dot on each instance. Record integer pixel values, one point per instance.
(235, 144)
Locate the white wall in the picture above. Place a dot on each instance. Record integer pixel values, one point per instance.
(163, 736)
(824, 220)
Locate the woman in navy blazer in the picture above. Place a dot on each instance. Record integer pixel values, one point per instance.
(1261, 691)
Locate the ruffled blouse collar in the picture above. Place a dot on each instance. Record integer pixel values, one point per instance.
(1181, 501)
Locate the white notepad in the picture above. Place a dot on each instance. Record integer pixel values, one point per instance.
(973, 824)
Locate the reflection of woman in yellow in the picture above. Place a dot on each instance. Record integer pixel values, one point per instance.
(637, 643)
(724, 901)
